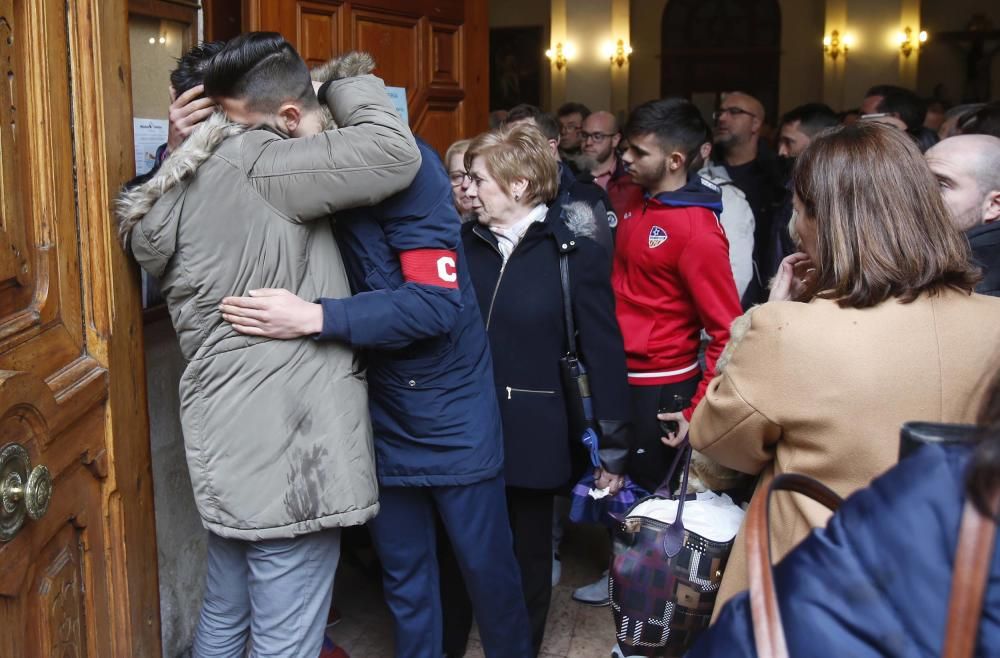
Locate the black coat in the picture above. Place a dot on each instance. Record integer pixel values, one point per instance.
(523, 313)
(985, 243)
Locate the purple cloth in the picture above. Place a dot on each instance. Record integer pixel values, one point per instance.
(584, 509)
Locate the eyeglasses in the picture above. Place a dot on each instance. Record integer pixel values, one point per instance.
(597, 137)
(458, 177)
(568, 128)
(731, 111)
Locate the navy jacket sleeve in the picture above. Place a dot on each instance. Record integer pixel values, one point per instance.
(393, 313)
(601, 348)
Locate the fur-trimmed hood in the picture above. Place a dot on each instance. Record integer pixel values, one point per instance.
(179, 167)
(580, 219)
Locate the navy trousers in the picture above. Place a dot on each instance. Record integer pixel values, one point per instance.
(475, 518)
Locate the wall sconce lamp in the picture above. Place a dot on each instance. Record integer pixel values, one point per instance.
(561, 55)
(617, 53)
(907, 44)
(834, 46)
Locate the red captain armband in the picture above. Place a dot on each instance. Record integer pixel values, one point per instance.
(430, 267)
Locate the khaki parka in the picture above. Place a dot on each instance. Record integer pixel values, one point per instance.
(277, 433)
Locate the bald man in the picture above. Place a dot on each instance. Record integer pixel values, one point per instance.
(600, 138)
(738, 123)
(967, 168)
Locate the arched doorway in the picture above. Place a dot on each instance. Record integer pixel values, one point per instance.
(713, 46)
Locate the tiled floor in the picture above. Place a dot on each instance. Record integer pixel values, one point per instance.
(573, 630)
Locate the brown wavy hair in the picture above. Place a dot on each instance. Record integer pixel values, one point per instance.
(518, 151)
(882, 229)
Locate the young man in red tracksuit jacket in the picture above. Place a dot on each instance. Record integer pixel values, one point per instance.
(671, 277)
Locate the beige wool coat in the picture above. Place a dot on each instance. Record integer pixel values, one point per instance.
(821, 390)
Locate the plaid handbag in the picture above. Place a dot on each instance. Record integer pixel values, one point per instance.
(664, 578)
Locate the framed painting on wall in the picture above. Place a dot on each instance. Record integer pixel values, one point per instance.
(516, 55)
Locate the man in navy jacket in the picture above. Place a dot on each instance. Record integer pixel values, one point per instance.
(434, 411)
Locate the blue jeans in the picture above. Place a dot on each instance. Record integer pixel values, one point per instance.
(475, 518)
(275, 592)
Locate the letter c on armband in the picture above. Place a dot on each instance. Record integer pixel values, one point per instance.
(430, 267)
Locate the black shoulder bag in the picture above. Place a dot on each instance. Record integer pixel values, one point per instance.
(576, 385)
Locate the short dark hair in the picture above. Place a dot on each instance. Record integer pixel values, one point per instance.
(912, 109)
(676, 123)
(545, 121)
(573, 108)
(881, 90)
(190, 71)
(812, 117)
(263, 69)
(985, 121)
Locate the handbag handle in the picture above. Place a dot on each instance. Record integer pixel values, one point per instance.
(567, 305)
(976, 535)
(768, 633)
(973, 556)
(673, 536)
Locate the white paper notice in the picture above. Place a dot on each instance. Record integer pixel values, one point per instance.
(149, 134)
(398, 97)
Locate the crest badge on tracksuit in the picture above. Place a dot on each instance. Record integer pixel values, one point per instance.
(657, 236)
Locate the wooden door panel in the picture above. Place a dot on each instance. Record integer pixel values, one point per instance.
(440, 124)
(396, 43)
(319, 27)
(446, 55)
(422, 45)
(70, 338)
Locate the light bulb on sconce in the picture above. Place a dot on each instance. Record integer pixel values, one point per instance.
(834, 45)
(561, 54)
(617, 53)
(907, 42)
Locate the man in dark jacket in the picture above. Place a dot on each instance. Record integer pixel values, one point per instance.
(795, 134)
(968, 171)
(752, 166)
(434, 412)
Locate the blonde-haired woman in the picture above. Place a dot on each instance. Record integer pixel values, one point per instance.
(873, 324)
(513, 249)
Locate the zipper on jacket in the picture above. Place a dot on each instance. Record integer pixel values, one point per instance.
(511, 389)
(496, 288)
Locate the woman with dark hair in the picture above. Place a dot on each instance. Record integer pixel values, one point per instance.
(513, 249)
(876, 581)
(873, 324)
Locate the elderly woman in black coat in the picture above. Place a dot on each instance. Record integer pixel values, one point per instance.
(513, 249)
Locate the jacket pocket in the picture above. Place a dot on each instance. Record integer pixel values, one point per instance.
(637, 327)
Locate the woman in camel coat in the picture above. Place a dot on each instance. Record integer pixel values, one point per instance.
(887, 330)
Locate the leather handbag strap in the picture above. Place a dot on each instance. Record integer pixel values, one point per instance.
(968, 585)
(768, 633)
(567, 304)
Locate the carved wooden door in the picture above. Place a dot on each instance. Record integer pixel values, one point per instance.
(436, 49)
(77, 539)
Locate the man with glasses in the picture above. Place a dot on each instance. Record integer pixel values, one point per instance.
(571, 117)
(738, 123)
(601, 137)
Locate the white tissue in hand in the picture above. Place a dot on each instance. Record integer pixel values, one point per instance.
(597, 494)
